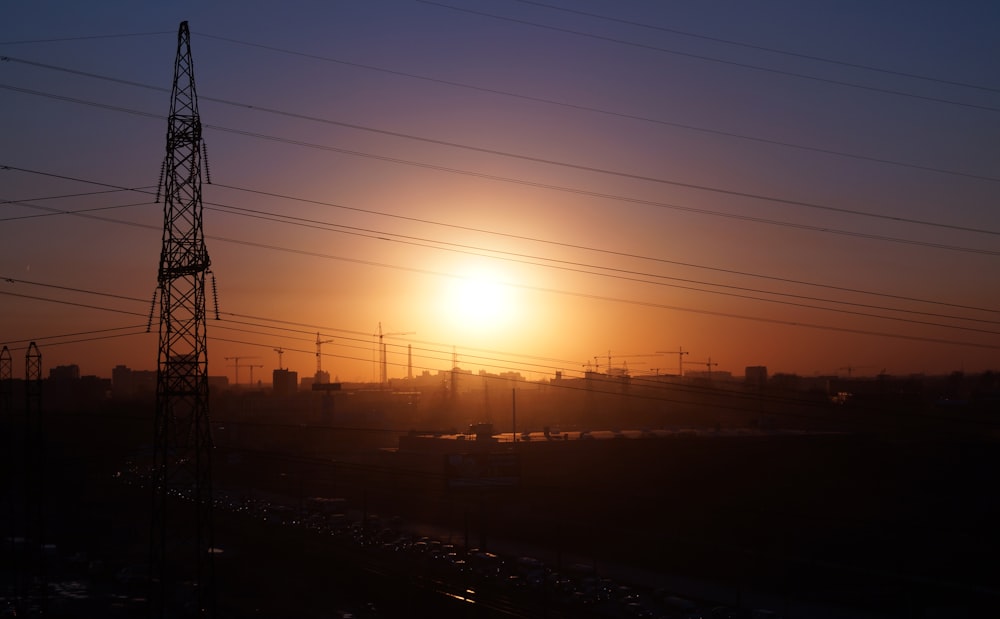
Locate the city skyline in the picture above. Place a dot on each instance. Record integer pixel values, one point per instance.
(515, 186)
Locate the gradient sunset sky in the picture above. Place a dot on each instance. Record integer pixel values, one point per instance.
(524, 185)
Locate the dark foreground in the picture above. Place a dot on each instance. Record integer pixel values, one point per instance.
(858, 525)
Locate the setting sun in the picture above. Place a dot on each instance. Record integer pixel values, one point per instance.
(479, 299)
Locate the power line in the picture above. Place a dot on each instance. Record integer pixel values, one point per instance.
(85, 38)
(641, 303)
(853, 65)
(616, 273)
(586, 108)
(53, 211)
(311, 328)
(383, 236)
(568, 165)
(640, 201)
(654, 305)
(652, 179)
(483, 175)
(732, 63)
(625, 275)
(79, 339)
(569, 105)
(306, 328)
(138, 300)
(532, 159)
(13, 280)
(493, 362)
(74, 195)
(555, 291)
(595, 249)
(761, 140)
(444, 352)
(63, 302)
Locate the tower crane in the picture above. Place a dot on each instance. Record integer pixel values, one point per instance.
(319, 346)
(625, 367)
(251, 371)
(851, 368)
(708, 364)
(680, 358)
(383, 372)
(237, 366)
(280, 352)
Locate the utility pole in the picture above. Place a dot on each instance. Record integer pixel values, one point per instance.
(181, 535)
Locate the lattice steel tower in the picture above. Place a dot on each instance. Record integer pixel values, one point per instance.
(34, 483)
(182, 576)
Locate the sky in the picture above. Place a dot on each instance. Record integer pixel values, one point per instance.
(517, 186)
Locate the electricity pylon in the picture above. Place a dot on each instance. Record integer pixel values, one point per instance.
(6, 383)
(31, 595)
(181, 530)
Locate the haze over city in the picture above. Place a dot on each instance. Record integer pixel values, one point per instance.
(521, 186)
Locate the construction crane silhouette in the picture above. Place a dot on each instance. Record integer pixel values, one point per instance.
(851, 368)
(383, 370)
(319, 353)
(625, 364)
(680, 358)
(280, 352)
(708, 364)
(237, 366)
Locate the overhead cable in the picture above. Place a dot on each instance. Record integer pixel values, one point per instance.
(733, 63)
(773, 50)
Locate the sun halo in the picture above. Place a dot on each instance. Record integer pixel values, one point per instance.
(480, 300)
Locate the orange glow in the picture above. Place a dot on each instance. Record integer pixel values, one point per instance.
(478, 299)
